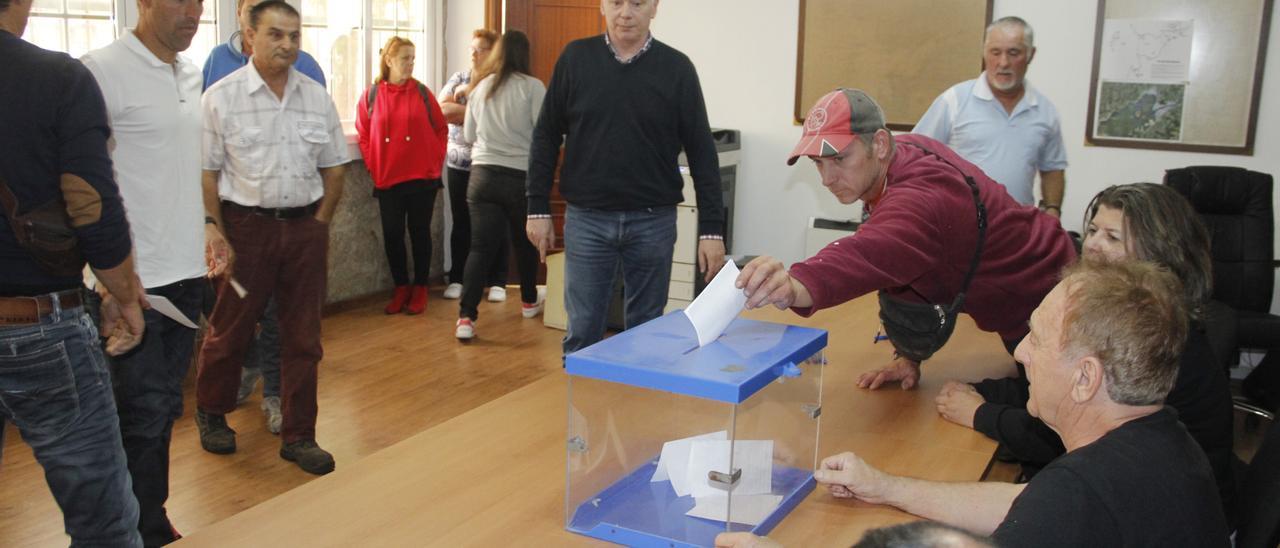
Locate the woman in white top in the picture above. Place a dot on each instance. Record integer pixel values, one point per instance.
(502, 110)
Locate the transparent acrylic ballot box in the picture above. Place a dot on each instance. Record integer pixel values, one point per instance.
(751, 401)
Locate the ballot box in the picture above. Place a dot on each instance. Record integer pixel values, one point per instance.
(670, 443)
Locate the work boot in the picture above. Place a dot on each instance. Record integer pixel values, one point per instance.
(418, 299)
(215, 436)
(400, 297)
(309, 456)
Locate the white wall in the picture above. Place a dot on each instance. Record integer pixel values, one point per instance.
(745, 51)
(461, 18)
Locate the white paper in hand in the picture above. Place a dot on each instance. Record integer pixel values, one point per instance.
(165, 307)
(717, 305)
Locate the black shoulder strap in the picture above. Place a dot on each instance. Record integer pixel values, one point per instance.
(422, 91)
(982, 224)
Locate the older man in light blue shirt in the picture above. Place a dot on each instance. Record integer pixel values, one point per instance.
(999, 122)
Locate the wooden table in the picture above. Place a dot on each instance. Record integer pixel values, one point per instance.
(496, 474)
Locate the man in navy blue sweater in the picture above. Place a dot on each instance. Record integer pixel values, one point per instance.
(54, 384)
(624, 105)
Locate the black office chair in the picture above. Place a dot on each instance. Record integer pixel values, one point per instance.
(1260, 494)
(1235, 205)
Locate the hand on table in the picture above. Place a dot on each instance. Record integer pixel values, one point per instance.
(847, 476)
(900, 369)
(958, 402)
(744, 540)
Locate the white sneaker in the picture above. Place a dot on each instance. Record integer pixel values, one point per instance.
(271, 411)
(532, 310)
(454, 291)
(466, 329)
(497, 294)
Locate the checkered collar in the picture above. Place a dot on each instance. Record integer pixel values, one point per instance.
(648, 42)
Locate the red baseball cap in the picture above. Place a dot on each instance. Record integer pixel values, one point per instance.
(835, 120)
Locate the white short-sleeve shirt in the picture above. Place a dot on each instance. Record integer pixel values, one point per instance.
(154, 111)
(269, 149)
(1009, 147)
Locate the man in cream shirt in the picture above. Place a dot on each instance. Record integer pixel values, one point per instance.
(152, 96)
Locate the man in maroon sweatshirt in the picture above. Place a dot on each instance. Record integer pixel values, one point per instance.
(920, 238)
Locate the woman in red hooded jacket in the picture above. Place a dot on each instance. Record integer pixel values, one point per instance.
(403, 135)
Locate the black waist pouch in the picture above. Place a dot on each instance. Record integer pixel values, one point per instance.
(46, 233)
(918, 330)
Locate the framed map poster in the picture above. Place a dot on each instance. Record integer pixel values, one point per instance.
(1178, 74)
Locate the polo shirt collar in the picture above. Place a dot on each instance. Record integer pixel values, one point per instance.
(135, 45)
(234, 44)
(982, 90)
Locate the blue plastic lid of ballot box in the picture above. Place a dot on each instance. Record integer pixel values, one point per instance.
(663, 354)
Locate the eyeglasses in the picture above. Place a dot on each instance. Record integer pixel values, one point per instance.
(480, 50)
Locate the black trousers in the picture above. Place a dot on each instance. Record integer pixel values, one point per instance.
(460, 238)
(498, 207)
(409, 203)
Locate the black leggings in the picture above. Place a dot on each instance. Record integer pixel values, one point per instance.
(498, 206)
(460, 237)
(414, 202)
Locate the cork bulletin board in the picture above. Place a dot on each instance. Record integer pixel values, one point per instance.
(904, 52)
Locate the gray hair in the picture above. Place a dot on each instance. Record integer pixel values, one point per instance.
(1013, 22)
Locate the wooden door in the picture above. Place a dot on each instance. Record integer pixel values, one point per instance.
(550, 25)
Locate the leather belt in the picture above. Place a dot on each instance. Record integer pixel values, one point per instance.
(29, 310)
(277, 213)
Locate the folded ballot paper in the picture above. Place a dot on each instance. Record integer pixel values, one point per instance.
(717, 305)
(686, 462)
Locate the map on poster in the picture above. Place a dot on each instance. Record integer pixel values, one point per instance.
(1145, 50)
(1136, 110)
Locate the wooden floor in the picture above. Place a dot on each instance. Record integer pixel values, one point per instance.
(383, 379)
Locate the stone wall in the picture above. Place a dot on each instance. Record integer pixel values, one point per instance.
(357, 263)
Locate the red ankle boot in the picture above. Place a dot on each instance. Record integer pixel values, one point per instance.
(418, 300)
(397, 301)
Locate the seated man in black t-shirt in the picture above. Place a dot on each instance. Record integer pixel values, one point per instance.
(1101, 357)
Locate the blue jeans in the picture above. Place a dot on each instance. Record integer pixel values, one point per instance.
(264, 350)
(54, 385)
(598, 244)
